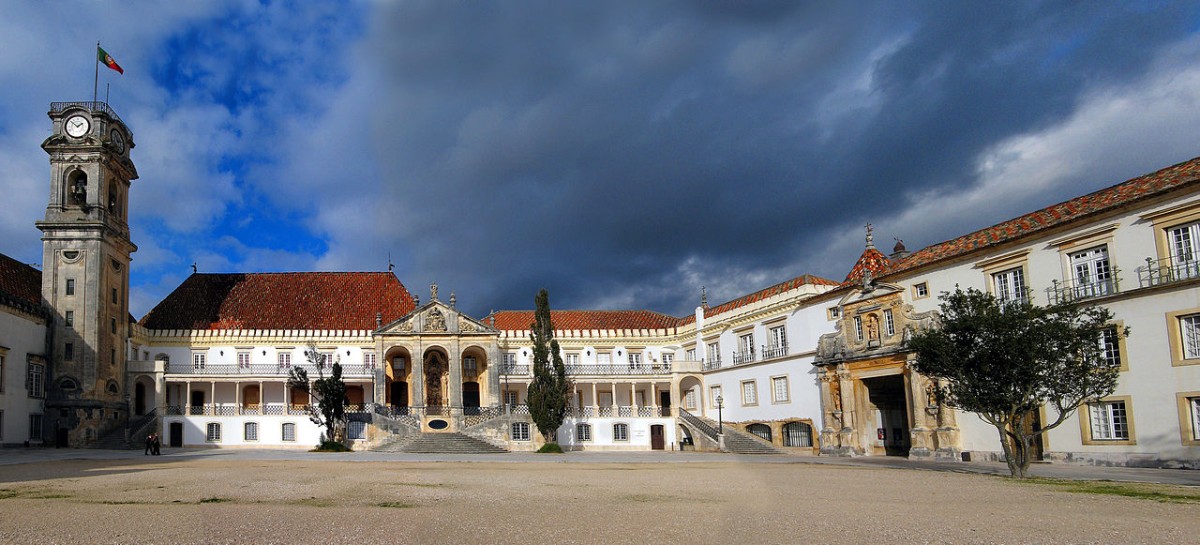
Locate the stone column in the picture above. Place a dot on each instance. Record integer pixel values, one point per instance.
(416, 362)
(848, 445)
(262, 399)
(830, 414)
(595, 401)
(495, 361)
(949, 438)
(456, 376)
(921, 434)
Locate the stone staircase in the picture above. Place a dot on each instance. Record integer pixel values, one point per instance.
(137, 430)
(438, 443)
(736, 441)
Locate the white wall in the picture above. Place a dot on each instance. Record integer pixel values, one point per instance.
(22, 337)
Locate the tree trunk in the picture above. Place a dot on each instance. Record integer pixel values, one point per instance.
(1006, 443)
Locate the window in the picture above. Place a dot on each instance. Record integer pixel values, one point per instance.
(667, 358)
(289, 431)
(3, 358)
(469, 365)
(520, 431)
(356, 430)
(749, 393)
(763, 431)
(858, 328)
(834, 312)
(251, 431)
(199, 361)
(285, 359)
(398, 363)
(920, 290)
(369, 359)
(689, 400)
(213, 432)
(604, 358)
(714, 352)
(746, 344)
(573, 358)
(779, 337)
(326, 359)
(1189, 331)
(1189, 417)
(779, 390)
(714, 392)
(1110, 345)
(635, 359)
(690, 354)
(510, 398)
(797, 434)
(114, 296)
(510, 359)
(1109, 421)
(69, 351)
(70, 286)
(583, 433)
(243, 360)
(35, 380)
(69, 318)
(889, 322)
(1091, 273)
(1184, 242)
(620, 432)
(35, 427)
(1009, 284)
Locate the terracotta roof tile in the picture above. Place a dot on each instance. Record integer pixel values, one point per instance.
(317, 300)
(1104, 200)
(20, 282)
(871, 260)
(520, 320)
(759, 295)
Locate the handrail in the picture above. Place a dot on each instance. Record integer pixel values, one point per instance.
(1167, 270)
(700, 425)
(93, 106)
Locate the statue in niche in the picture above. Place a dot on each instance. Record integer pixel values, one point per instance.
(872, 327)
(435, 321)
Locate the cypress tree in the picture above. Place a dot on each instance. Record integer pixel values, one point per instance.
(547, 397)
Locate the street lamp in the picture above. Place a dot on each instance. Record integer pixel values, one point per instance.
(720, 417)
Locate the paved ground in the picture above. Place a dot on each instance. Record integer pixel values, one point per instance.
(258, 496)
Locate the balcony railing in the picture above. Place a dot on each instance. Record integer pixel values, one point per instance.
(514, 369)
(235, 409)
(1068, 291)
(262, 369)
(1167, 270)
(597, 369)
(56, 107)
(712, 364)
(771, 352)
(740, 358)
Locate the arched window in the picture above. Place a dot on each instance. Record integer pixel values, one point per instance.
(797, 434)
(67, 385)
(620, 432)
(761, 430)
(583, 433)
(77, 187)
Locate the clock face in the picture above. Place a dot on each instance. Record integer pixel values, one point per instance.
(118, 140)
(78, 125)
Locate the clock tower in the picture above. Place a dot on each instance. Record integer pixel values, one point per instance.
(85, 270)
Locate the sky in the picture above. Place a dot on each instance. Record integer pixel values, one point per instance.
(619, 154)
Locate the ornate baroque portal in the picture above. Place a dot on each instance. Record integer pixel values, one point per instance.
(435, 373)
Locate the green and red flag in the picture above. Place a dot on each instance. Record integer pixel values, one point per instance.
(107, 59)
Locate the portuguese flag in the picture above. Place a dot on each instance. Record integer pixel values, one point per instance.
(107, 59)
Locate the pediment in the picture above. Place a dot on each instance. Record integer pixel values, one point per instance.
(872, 291)
(435, 318)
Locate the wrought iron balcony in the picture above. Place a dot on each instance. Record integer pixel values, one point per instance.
(712, 364)
(743, 357)
(514, 369)
(1069, 291)
(770, 352)
(1167, 270)
(261, 369)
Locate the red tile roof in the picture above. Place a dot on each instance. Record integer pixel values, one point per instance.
(1143, 187)
(871, 260)
(520, 320)
(762, 294)
(317, 300)
(20, 283)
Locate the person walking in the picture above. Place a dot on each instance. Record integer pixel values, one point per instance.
(149, 444)
(156, 447)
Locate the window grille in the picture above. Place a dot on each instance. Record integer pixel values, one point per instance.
(620, 432)
(520, 431)
(213, 432)
(251, 431)
(289, 431)
(583, 432)
(1109, 421)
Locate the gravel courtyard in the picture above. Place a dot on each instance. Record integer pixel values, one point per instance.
(273, 501)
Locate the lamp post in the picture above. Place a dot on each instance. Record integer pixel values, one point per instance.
(720, 416)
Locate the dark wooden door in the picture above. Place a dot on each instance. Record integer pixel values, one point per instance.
(665, 401)
(176, 434)
(657, 439)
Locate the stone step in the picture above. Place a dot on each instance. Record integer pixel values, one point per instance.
(739, 442)
(439, 443)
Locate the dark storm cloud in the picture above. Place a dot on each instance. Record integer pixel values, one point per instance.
(622, 154)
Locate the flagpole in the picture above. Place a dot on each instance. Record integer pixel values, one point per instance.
(96, 82)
